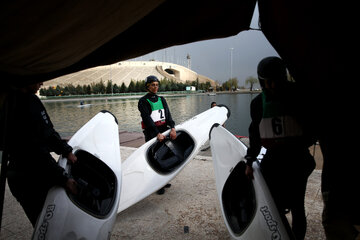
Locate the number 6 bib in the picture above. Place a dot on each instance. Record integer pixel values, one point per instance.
(276, 125)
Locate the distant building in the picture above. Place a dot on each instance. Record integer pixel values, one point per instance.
(124, 72)
(190, 88)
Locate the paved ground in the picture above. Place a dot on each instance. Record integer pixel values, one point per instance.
(188, 210)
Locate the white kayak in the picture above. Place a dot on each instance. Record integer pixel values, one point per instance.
(91, 213)
(248, 209)
(154, 164)
(83, 105)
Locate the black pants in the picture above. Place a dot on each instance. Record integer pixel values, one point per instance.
(29, 191)
(286, 173)
(150, 135)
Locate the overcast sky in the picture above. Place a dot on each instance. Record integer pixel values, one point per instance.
(212, 58)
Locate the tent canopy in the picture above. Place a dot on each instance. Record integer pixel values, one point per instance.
(41, 41)
(45, 40)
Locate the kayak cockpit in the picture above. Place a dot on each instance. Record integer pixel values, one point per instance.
(238, 198)
(96, 185)
(166, 156)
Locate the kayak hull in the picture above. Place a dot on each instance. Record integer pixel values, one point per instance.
(91, 213)
(247, 206)
(142, 175)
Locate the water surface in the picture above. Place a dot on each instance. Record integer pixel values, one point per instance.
(68, 116)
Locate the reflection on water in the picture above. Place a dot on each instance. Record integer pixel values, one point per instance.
(69, 116)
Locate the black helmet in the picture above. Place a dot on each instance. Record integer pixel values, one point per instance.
(150, 79)
(271, 68)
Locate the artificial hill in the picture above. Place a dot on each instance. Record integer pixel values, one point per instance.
(124, 72)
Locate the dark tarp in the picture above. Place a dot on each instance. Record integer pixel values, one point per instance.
(43, 40)
(319, 44)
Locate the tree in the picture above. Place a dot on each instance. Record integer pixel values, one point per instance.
(142, 87)
(51, 91)
(231, 84)
(131, 87)
(42, 92)
(109, 87)
(138, 86)
(251, 81)
(197, 83)
(123, 88)
(167, 87)
(87, 89)
(79, 90)
(181, 86)
(116, 88)
(98, 88)
(69, 90)
(173, 86)
(207, 85)
(58, 90)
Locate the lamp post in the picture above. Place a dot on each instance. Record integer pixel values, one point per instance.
(231, 61)
(112, 85)
(188, 61)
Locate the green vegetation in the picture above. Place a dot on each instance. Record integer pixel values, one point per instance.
(110, 88)
(251, 81)
(230, 85)
(138, 87)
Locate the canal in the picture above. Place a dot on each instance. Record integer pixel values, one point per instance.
(69, 116)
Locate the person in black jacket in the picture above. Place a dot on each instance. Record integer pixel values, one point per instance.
(155, 114)
(32, 171)
(278, 126)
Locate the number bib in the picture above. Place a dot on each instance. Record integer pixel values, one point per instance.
(157, 114)
(279, 127)
(276, 125)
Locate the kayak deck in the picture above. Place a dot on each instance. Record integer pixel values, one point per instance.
(96, 182)
(164, 157)
(238, 197)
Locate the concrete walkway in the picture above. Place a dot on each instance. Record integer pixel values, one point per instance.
(189, 209)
